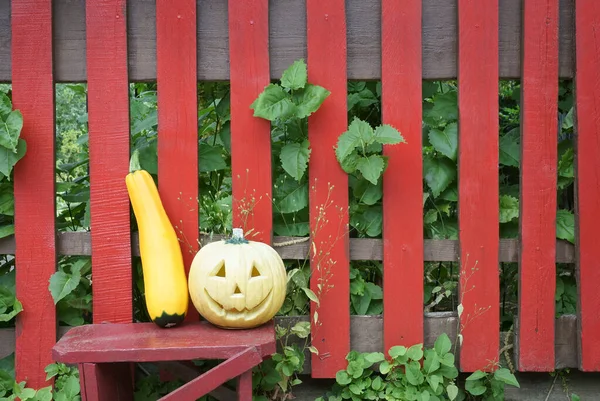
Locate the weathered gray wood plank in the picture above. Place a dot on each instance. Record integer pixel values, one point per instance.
(78, 243)
(287, 38)
(367, 336)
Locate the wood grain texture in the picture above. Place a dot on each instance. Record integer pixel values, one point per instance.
(288, 39)
(478, 181)
(105, 382)
(108, 125)
(250, 136)
(587, 173)
(328, 189)
(34, 192)
(539, 103)
(78, 243)
(146, 342)
(401, 94)
(235, 366)
(178, 123)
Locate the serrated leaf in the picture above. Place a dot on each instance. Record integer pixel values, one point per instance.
(385, 134)
(62, 284)
(509, 208)
(8, 158)
(359, 134)
(294, 158)
(311, 99)
(210, 158)
(350, 162)
(295, 76)
(10, 129)
(446, 141)
(565, 225)
(273, 103)
(445, 107)
(439, 173)
(371, 167)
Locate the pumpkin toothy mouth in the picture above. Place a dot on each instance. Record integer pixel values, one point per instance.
(234, 314)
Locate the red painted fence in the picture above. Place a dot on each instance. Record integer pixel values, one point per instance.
(326, 54)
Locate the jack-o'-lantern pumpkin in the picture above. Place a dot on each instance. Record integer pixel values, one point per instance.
(237, 283)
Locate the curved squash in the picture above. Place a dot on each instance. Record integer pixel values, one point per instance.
(165, 280)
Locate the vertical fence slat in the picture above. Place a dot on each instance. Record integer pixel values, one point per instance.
(537, 281)
(250, 136)
(178, 122)
(328, 188)
(587, 112)
(34, 188)
(108, 123)
(478, 181)
(401, 79)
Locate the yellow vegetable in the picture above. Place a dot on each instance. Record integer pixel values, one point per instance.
(237, 283)
(165, 280)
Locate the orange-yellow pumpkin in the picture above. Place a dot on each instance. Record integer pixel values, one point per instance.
(237, 283)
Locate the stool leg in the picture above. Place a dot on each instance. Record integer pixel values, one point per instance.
(107, 381)
(244, 386)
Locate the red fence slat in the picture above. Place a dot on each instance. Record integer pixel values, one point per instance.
(178, 122)
(326, 41)
(478, 181)
(33, 94)
(587, 87)
(250, 136)
(538, 185)
(403, 180)
(108, 122)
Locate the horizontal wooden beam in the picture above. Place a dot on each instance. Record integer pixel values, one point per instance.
(367, 335)
(297, 248)
(287, 39)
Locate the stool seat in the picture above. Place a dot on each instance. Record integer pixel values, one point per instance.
(104, 353)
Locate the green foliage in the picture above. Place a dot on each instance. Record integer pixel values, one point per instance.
(490, 386)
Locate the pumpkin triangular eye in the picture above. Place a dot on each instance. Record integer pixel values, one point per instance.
(237, 290)
(221, 272)
(255, 272)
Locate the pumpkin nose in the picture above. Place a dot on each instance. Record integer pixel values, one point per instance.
(237, 290)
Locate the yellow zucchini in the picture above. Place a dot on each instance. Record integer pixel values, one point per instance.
(165, 281)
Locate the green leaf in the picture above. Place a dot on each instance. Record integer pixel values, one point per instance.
(565, 164)
(295, 76)
(445, 107)
(509, 208)
(5, 106)
(359, 133)
(505, 376)
(371, 167)
(273, 104)
(375, 357)
(568, 120)
(415, 352)
(17, 308)
(62, 284)
(71, 387)
(413, 373)
(452, 391)
(210, 158)
(10, 129)
(342, 378)
(8, 158)
(387, 135)
(478, 374)
(565, 225)
(445, 142)
(397, 350)
(439, 173)
(510, 150)
(367, 193)
(442, 344)
(434, 381)
(290, 195)
(350, 162)
(311, 295)
(310, 100)
(6, 230)
(294, 158)
(44, 394)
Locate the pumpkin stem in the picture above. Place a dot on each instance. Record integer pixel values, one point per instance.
(134, 163)
(237, 237)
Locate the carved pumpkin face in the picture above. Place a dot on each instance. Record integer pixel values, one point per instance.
(237, 283)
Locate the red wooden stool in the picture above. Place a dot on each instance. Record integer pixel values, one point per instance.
(104, 351)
